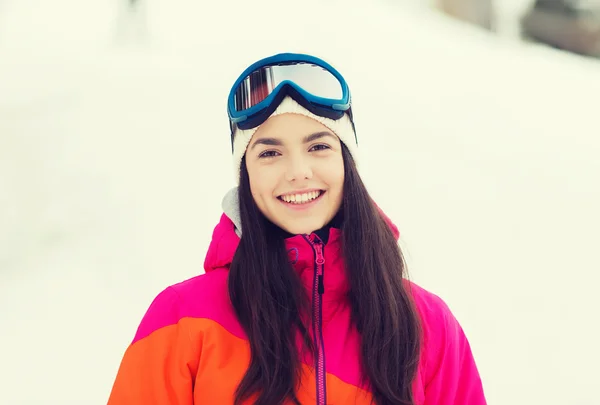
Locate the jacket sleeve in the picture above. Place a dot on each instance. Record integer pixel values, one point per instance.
(157, 368)
(452, 376)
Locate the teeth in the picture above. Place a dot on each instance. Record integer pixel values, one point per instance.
(300, 198)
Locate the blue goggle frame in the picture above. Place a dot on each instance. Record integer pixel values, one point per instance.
(255, 115)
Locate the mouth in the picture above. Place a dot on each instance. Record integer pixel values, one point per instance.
(301, 199)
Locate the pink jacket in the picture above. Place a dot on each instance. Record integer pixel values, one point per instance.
(190, 349)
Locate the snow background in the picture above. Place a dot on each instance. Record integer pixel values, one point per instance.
(114, 156)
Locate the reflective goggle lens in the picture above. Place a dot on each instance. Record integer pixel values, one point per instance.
(259, 84)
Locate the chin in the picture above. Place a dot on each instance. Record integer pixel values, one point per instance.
(300, 228)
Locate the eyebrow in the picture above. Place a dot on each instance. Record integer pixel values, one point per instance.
(277, 142)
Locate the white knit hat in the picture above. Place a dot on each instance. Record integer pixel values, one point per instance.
(342, 127)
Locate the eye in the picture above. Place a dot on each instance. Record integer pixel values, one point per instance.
(268, 154)
(319, 147)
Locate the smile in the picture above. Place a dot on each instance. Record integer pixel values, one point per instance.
(301, 198)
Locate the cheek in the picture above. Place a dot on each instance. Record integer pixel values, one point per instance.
(335, 175)
(254, 180)
(338, 183)
(256, 190)
(255, 194)
(262, 183)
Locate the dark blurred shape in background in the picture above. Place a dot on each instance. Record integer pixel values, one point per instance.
(569, 25)
(478, 12)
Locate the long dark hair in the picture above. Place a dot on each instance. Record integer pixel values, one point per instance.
(269, 301)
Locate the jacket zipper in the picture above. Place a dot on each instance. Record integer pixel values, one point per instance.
(317, 318)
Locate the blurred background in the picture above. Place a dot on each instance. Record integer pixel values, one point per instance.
(571, 25)
(479, 134)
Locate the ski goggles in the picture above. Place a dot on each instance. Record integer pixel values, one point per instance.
(312, 82)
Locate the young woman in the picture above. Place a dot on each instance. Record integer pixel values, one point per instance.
(304, 299)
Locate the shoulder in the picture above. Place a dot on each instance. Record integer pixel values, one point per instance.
(208, 288)
(447, 367)
(438, 323)
(439, 327)
(203, 297)
(432, 309)
(444, 343)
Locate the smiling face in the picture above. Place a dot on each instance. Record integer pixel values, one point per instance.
(296, 172)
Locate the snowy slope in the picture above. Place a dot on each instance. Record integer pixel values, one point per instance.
(114, 157)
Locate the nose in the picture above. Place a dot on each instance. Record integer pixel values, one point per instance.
(298, 168)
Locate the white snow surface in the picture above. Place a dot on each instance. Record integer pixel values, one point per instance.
(115, 153)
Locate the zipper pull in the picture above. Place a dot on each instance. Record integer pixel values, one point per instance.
(320, 257)
(320, 260)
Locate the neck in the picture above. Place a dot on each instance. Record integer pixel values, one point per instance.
(322, 233)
